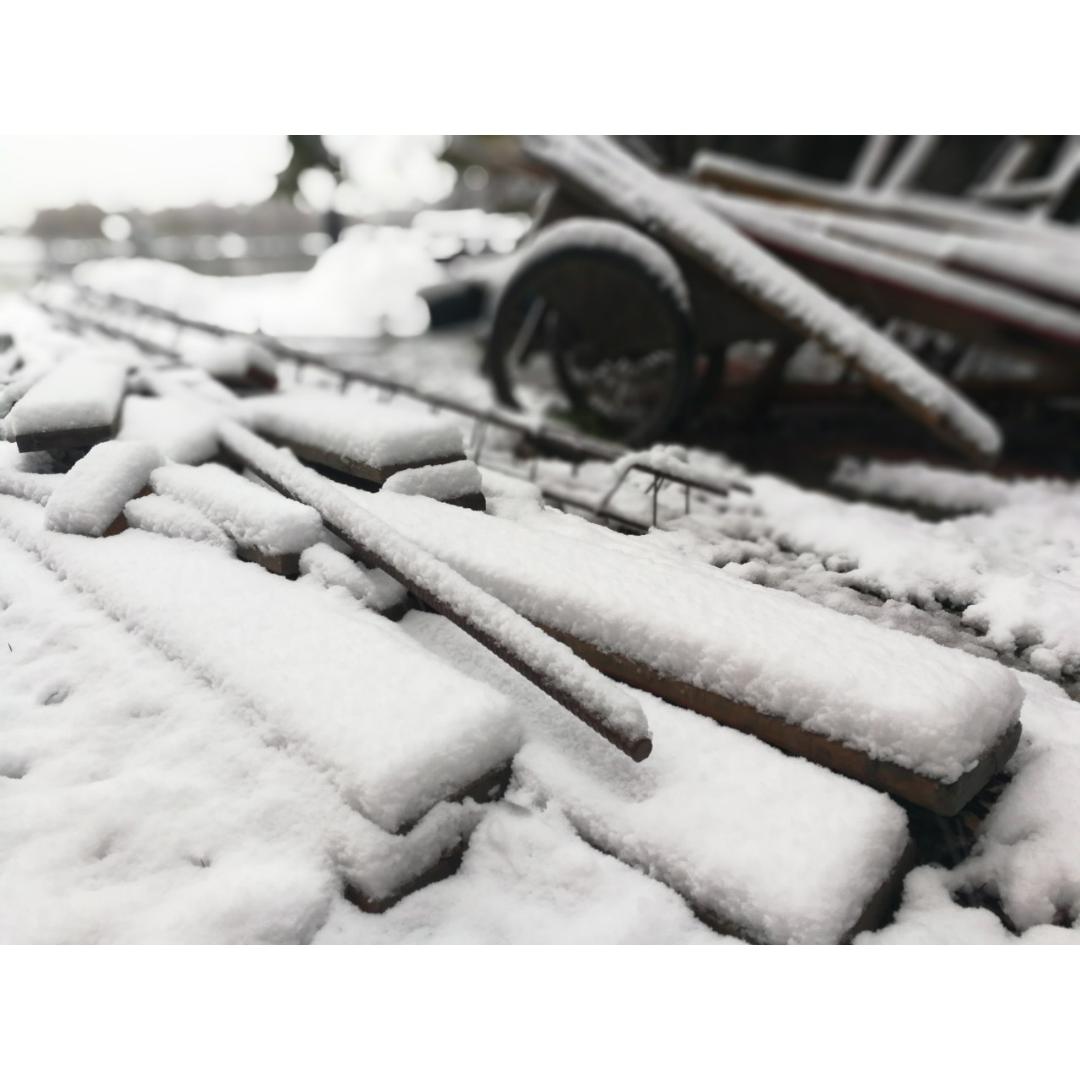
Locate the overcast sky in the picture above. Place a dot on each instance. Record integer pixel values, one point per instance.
(153, 171)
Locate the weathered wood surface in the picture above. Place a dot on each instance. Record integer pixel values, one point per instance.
(942, 798)
(287, 564)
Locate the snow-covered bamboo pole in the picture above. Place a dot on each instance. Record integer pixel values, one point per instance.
(550, 664)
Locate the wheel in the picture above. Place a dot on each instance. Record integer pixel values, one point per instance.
(594, 327)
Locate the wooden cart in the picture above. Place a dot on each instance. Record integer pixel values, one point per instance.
(644, 298)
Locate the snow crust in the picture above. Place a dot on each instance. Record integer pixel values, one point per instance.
(357, 430)
(83, 390)
(92, 494)
(252, 515)
(894, 696)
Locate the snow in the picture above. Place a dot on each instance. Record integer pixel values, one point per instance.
(27, 485)
(92, 494)
(1027, 858)
(896, 697)
(366, 285)
(178, 428)
(935, 487)
(249, 513)
(528, 879)
(357, 430)
(83, 390)
(145, 798)
(140, 805)
(782, 849)
(171, 517)
(617, 180)
(411, 564)
(1013, 574)
(396, 730)
(334, 569)
(451, 480)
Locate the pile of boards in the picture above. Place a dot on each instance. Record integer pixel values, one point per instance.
(328, 560)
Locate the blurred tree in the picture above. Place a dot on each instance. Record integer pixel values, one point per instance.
(310, 152)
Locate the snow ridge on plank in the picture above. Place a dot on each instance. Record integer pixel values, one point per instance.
(82, 392)
(379, 436)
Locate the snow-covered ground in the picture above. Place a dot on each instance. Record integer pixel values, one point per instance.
(193, 749)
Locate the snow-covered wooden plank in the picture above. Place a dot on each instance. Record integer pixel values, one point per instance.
(855, 266)
(760, 844)
(893, 710)
(375, 589)
(928, 211)
(236, 360)
(257, 520)
(1053, 276)
(550, 664)
(456, 482)
(613, 182)
(181, 430)
(358, 439)
(77, 404)
(90, 499)
(397, 730)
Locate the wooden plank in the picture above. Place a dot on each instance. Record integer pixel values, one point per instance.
(67, 438)
(287, 564)
(895, 780)
(446, 867)
(351, 470)
(878, 911)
